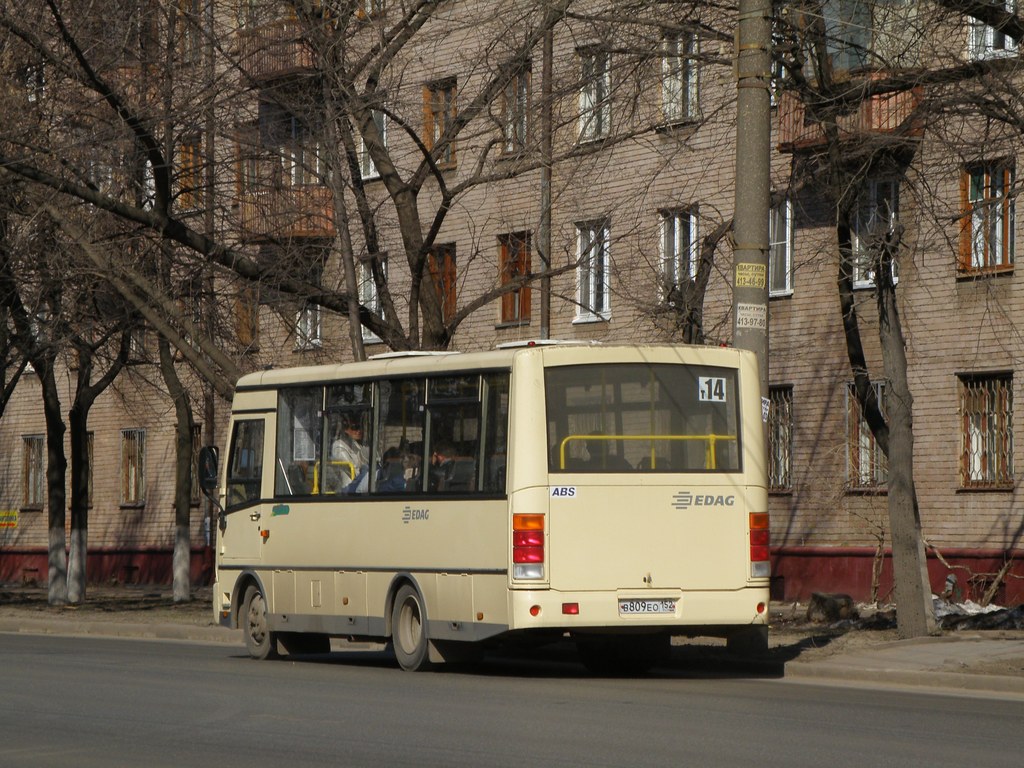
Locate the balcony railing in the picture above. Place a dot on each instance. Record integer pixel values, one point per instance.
(881, 114)
(273, 50)
(290, 212)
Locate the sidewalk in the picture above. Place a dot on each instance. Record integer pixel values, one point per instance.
(966, 661)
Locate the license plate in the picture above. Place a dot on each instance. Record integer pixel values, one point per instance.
(629, 607)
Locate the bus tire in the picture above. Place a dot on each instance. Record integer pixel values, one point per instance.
(409, 630)
(259, 640)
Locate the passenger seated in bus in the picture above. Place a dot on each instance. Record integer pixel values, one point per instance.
(601, 457)
(350, 453)
(391, 478)
(442, 464)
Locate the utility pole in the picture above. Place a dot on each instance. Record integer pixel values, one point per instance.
(753, 164)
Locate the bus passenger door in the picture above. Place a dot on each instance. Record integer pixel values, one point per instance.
(240, 528)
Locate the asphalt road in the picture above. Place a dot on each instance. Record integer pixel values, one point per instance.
(87, 702)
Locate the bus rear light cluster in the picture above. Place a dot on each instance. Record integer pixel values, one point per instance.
(760, 551)
(528, 546)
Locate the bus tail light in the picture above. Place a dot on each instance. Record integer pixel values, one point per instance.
(760, 550)
(528, 546)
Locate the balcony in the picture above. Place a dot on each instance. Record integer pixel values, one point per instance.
(889, 114)
(290, 212)
(274, 50)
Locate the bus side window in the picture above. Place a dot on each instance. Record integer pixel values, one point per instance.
(298, 441)
(495, 431)
(245, 463)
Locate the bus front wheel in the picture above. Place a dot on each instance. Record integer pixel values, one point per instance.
(259, 640)
(409, 630)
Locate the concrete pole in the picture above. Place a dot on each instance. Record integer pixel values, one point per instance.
(753, 163)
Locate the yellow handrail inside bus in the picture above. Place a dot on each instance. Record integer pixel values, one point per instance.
(710, 461)
(335, 463)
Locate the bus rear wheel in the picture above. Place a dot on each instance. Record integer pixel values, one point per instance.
(409, 631)
(259, 640)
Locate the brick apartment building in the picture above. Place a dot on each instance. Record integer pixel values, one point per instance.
(613, 157)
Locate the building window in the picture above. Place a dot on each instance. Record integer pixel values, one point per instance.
(190, 175)
(592, 271)
(780, 438)
(867, 467)
(307, 327)
(595, 94)
(133, 467)
(514, 263)
(367, 9)
(367, 168)
(440, 107)
(848, 33)
(197, 443)
(34, 78)
(986, 431)
(89, 443)
(780, 249)
(441, 266)
(190, 30)
(33, 472)
(986, 235)
(873, 221)
(679, 77)
(985, 42)
(369, 295)
(515, 112)
(678, 247)
(303, 158)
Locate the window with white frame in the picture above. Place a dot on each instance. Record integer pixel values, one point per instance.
(33, 471)
(679, 77)
(303, 156)
(987, 228)
(34, 77)
(780, 249)
(873, 221)
(515, 112)
(595, 94)
(307, 327)
(780, 438)
(985, 42)
(678, 247)
(867, 466)
(133, 467)
(369, 296)
(592, 271)
(986, 431)
(366, 165)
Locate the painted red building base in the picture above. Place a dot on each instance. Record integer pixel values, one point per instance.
(799, 571)
(120, 566)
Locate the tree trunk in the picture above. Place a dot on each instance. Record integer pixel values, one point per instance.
(56, 473)
(915, 615)
(77, 573)
(181, 563)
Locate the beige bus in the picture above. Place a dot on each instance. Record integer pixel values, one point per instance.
(445, 503)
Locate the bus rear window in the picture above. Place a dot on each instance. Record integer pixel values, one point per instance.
(642, 418)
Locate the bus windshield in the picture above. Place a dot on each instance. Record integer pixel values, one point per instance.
(647, 418)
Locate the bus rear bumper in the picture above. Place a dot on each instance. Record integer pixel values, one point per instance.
(715, 613)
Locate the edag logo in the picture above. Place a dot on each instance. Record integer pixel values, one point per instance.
(687, 499)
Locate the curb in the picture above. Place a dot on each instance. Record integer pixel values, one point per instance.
(209, 634)
(882, 676)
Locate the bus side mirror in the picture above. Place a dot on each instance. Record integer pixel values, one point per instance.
(208, 456)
